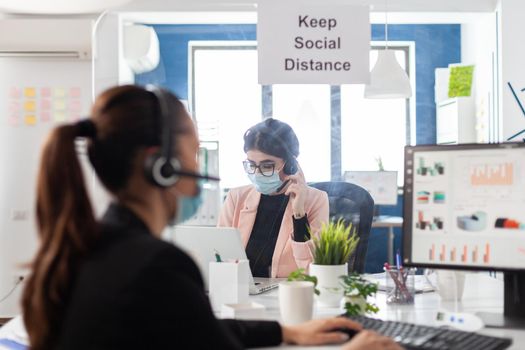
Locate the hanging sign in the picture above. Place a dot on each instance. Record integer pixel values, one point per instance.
(306, 42)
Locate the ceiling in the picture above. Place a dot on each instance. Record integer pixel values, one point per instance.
(93, 6)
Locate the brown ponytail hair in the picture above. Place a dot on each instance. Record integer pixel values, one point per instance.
(125, 118)
(67, 228)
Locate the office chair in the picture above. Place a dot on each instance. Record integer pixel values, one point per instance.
(354, 205)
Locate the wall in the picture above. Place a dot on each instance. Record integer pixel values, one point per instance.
(511, 55)
(437, 45)
(478, 47)
(36, 94)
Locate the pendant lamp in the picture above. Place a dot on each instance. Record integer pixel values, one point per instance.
(387, 78)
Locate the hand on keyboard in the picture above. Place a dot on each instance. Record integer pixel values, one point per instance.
(420, 337)
(368, 340)
(323, 331)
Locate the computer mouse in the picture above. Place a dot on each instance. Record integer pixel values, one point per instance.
(348, 331)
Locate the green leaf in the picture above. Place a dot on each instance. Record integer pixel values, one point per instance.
(355, 285)
(301, 275)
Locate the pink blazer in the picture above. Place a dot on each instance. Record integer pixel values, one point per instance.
(240, 208)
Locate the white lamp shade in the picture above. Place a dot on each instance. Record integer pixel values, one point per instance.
(387, 78)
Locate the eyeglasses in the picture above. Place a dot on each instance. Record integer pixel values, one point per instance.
(265, 168)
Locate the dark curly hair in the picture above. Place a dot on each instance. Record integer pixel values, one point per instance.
(272, 137)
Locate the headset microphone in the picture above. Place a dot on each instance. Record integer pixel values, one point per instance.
(197, 175)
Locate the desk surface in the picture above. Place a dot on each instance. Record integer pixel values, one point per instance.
(388, 221)
(482, 293)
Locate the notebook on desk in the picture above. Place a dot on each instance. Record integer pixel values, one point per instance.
(201, 243)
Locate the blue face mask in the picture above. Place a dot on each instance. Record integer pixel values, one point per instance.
(187, 207)
(265, 184)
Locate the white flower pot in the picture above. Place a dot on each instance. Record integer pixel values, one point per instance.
(329, 283)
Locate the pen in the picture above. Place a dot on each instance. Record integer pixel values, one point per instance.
(398, 260)
(217, 256)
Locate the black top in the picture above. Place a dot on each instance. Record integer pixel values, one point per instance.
(138, 292)
(265, 231)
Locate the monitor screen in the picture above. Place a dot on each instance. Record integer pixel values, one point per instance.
(464, 206)
(382, 185)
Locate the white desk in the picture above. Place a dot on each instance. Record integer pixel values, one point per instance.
(389, 222)
(482, 293)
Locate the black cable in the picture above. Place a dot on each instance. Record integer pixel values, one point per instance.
(20, 279)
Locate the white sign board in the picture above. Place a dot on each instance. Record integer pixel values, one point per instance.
(382, 185)
(305, 42)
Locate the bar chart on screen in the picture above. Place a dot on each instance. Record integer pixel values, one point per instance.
(495, 174)
(470, 254)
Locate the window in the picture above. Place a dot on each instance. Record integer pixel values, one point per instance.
(226, 101)
(306, 108)
(373, 128)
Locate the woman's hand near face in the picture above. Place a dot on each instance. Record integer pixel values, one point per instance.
(368, 340)
(317, 332)
(297, 192)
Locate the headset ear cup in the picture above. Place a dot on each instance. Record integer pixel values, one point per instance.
(291, 167)
(148, 167)
(156, 173)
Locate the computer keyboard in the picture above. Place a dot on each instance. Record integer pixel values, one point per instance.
(418, 337)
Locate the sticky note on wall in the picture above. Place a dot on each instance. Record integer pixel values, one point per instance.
(59, 116)
(75, 106)
(15, 92)
(45, 116)
(30, 119)
(12, 120)
(74, 92)
(29, 106)
(30, 92)
(59, 92)
(59, 105)
(45, 92)
(45, 104)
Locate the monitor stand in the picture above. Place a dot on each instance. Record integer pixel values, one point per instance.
(513, 304)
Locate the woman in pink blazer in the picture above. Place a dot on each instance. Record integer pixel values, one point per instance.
(278, 213)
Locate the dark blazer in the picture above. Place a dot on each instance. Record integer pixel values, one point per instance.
(135, 291)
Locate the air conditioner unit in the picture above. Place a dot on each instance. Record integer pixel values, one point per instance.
(141, 48)
(63, 38)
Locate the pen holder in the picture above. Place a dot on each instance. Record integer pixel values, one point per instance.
(228, 283)
(400, 287)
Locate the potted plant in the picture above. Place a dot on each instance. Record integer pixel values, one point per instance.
(331, 250)
(356, 291)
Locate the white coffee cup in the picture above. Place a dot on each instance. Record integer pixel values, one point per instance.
(450, 284)
(296, 301)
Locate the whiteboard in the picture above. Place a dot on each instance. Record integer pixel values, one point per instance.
(382, 185)
(36, 94)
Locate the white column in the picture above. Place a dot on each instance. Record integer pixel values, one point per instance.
(511, 56)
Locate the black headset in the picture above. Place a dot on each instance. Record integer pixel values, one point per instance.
(162, 168)
(290, 165)
(290, 162)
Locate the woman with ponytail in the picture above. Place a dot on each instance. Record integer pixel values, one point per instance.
(113, 283)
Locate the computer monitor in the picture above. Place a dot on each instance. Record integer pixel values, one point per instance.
(464, 208)
(382, 185)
